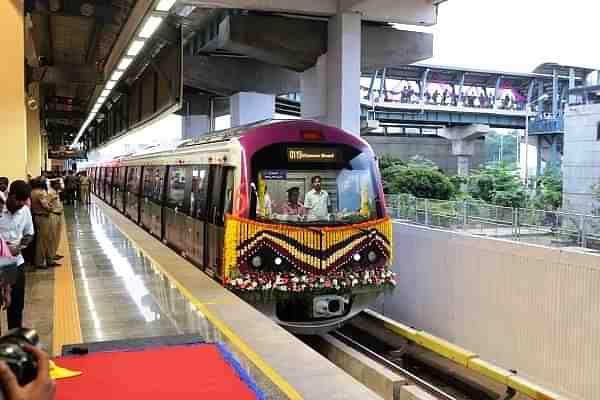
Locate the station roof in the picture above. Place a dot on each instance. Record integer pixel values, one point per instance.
(71, 42)
(563, 70)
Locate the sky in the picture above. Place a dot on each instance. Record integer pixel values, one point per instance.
(516, 35)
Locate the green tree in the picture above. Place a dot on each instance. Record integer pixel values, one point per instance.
(549, 190)
(498, 184)
(419, 177)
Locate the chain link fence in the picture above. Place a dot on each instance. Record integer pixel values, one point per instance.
(550, 228)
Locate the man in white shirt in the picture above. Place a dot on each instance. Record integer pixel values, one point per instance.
(16, 228)
(316, 201)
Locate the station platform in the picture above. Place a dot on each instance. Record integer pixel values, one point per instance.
(118, 282)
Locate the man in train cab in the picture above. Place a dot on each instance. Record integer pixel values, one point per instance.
(316, 200)
(16, 229)
(293, 206)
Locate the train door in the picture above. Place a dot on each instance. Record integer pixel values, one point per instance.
(176, 207)
(198, 176)
(220, 191)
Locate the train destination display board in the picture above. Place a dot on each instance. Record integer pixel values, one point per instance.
(313, 154)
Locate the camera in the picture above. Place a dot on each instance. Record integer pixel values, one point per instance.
(12, 351)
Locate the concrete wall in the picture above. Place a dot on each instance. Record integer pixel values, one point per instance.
(581, 160)
(436, 149)
(525, 307)
(12, 92)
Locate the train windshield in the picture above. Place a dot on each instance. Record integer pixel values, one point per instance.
(322, 186)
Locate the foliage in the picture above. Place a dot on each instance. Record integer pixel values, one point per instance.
(596, 197)
(418, 176)
(549, 190)
(498, 184)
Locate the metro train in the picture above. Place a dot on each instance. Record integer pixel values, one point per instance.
(231, 203)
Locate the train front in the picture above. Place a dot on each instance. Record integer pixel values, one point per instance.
(312, 247)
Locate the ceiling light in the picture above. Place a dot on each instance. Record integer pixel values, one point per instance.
(135, 47)
(105, 93)
(165, 5)
(102, 99)
(150, 26)
(124, 64)
(116, 75)
(110, 85)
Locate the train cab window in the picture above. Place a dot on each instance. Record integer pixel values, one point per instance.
(176, 189)
(314, 185)
(153, 183)
(199, 191)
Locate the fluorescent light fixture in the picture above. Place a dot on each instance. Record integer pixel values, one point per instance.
(105, 93)
(135, 47)
(116, 75)
(150, 26)
(165, 5)
(125, 62)
(102, 98)
(110, 85)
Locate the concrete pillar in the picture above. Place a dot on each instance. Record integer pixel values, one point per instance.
(34, 137)
(540, 152)
(313, 86)
(463, 145)
(331, 89)
(195, 126)
(12, 94)
(249, 107)
(343, 72)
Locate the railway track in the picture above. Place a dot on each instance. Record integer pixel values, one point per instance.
(438, 383)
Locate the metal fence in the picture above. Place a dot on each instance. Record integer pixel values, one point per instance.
(551, 228)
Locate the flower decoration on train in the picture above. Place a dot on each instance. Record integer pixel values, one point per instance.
(263, 257)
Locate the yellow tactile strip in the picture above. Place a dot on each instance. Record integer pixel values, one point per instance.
(66, 328)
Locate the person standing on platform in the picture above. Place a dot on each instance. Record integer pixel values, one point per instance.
(41, 210)
(56, 218)
(16, 228)
(4, 188)
(84, 184)
(70, 188)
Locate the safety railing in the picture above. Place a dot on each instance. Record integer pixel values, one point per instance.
(551, 228)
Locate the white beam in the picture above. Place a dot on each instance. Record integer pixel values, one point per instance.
(409, 12)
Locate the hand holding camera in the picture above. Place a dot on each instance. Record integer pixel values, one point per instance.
(24, 368)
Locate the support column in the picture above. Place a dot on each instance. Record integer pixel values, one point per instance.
(34, 137)
(249, 107)
(463, 146)
(331, 89)
(540, 152)
(12, 95)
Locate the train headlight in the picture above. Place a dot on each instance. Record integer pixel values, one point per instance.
(372, 256)
(278, 261)
(257, 261)
(356, 257)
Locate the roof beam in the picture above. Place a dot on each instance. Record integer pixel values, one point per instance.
(71, 74)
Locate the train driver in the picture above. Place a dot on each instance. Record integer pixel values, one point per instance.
(293, 206)
(316, 201)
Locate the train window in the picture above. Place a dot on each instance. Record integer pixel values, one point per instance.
(153, 182)
(228, 202)
(176, 190)
(199, 191)
(133, 180)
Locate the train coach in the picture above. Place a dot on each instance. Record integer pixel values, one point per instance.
(289, 215)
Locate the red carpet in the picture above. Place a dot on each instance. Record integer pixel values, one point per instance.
(180, 372)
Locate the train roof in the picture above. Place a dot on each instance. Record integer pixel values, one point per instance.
(230, 133)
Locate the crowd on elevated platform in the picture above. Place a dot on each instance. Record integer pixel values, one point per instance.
(446, 97)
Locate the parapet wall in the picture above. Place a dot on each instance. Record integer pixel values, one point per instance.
(530, 308)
